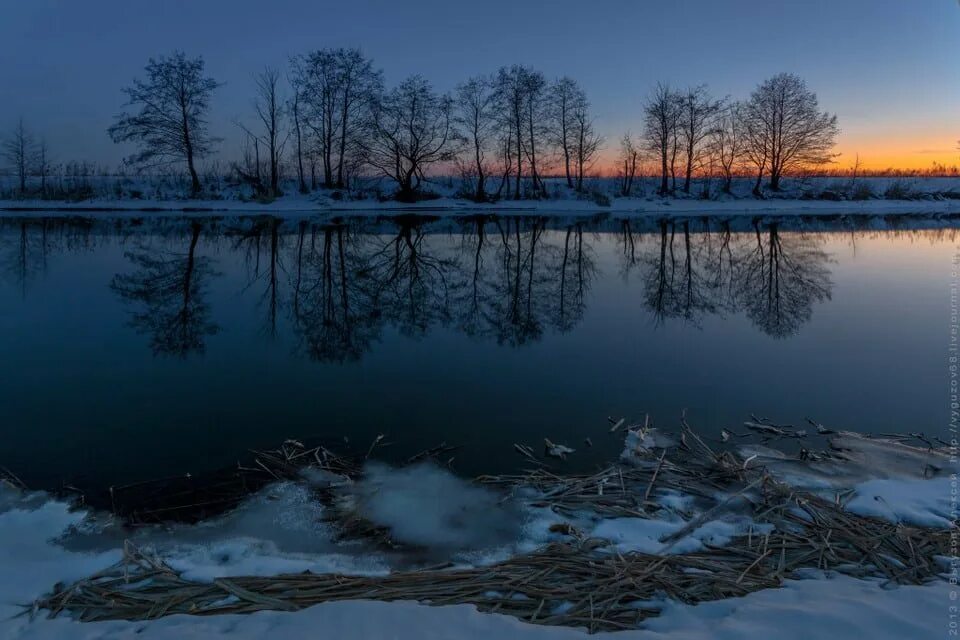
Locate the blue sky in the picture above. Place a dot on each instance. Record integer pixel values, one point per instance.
(889, 69)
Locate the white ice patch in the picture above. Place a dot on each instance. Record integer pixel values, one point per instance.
(427, 506)
(31, 561)
(857, 458)
(253, 557)
(276, 530)
(644, 536)
(909, 501)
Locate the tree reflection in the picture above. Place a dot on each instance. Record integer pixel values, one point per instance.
(577, 269)
(261, 242)
(773, 278)
(169, 289)
(25, 258)
(334, 317)
(677, 284)
(411, 281)
(511, 279)
(780, 279)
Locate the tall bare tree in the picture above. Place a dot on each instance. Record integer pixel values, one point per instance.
(521, 94)
(19, 150)
(42, 164)
(297, 117)
(629, 163)
(270, 111)
(412, 129)
(565, 98)
(315, 83)
(697, 113)
(661, 115)
(586, 141)
(726, 143)
(359, 83)
(475, 116)
(269, 108)
(787, 130)
(336, 87)
(171, 124)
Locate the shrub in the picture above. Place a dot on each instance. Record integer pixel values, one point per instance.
(899, 190)
(862, 191)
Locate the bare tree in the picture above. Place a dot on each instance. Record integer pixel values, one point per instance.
(171, 125)
(726, 143)
(787, 130)
(629, 163)
(661, 114)
(474, 115)
(535, 86)
(520, 92)
(269, 109)
(359, 83)
(316, 83)
(586, 141)
(565, 98)
(19, 150)
(295, 114)
(697, 112)
(42, 165)
(411, 131)
(336, 87)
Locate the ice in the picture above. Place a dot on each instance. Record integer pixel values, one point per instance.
(922, 502)
(425, 505)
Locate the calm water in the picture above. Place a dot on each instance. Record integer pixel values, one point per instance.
(138, 349)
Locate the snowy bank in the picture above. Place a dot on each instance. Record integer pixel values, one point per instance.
(673, 523)
(810, 196)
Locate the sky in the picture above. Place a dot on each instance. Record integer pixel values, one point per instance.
(888, 68)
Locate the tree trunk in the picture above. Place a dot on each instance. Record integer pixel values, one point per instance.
(756, 187)
(516, 189)
(343, 135)
(481, 194)
(664, 186)
(188, 148)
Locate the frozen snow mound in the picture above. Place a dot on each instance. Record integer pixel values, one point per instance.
(424, 505)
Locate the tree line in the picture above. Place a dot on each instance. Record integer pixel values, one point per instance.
(328, 120)
(512, 280)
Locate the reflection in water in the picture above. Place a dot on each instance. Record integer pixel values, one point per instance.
(327, 327)
(340, 282)
(773, 278)
(781, 277)
(167, 291)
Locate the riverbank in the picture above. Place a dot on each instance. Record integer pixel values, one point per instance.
(748, 536)
(812, 197)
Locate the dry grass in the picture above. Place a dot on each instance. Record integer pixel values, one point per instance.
(581, 581)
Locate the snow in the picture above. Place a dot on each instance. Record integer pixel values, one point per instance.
(908, 500)
(451, 514)
(280, 529)
(927, 196)
(822, 607)
(643, 535)
(836, 608)
(857, 458)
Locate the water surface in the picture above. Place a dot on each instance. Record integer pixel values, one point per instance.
(134, 349)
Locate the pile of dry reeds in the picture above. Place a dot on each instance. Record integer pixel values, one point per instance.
(581, 581)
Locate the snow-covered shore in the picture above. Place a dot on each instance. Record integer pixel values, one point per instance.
(810, 197)
(624, 208)
(43, 542)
